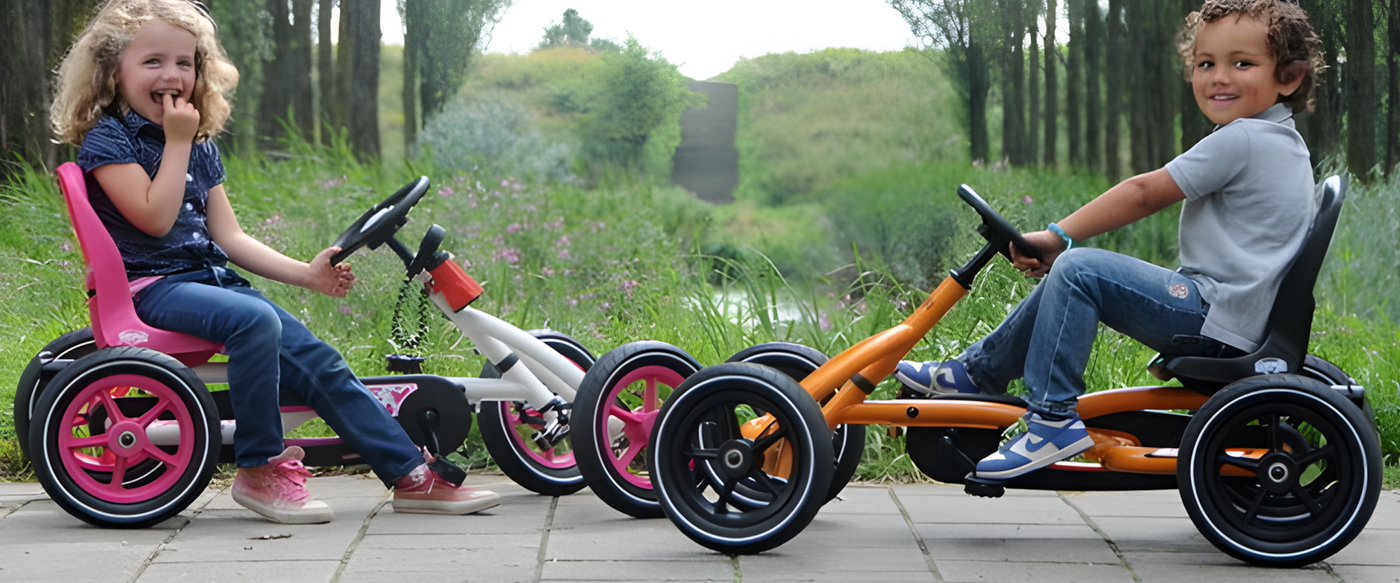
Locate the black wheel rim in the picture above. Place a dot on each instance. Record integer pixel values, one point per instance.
(1301, 484)
(720, 472)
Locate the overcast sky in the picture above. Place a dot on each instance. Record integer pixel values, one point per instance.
(705, 38)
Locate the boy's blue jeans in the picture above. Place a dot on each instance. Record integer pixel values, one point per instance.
(269, 350)
(1047, 339)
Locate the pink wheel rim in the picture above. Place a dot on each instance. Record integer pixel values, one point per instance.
(636, 422)
(518, 428)
(123, 444)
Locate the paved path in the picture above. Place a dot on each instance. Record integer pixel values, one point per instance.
(899, 533)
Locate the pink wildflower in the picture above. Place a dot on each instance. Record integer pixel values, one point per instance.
(345, 310)
(1027, 199)
(446, 191)
(546, 271)
(563, 254)
(514, 228)
(511, 256)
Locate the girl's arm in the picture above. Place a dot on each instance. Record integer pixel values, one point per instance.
(152, 205)
(252, 255)
(1131, 200)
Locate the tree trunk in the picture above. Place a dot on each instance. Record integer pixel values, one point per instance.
(277, 95)
(411, 47)
(1093, 43)
(1359, 77)
(1013, 83)
(344, 66)
(1052, 111)
(325, 71)
(299, 68)
(1074, 82)
(363, 102)
(24, 87)
(1322, 127)
(1392, 61)
(1194, 124)
(979, 85)
(1113, 91)
(1033, 89)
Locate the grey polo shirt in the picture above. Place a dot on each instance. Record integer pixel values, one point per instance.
(1249, 204)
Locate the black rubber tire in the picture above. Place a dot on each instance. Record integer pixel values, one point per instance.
(191, 398)
(798, 361)
(492, 419)
(698, 453)
(593, 445)
(70, 346)
(1331, 374)
(1321, 476)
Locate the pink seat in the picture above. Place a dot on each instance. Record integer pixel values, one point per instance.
(114, 321)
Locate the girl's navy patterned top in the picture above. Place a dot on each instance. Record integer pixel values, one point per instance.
(134, 139)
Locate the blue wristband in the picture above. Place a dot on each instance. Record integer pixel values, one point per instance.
(1053, 228)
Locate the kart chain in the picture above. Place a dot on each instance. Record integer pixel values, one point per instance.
(408, 342)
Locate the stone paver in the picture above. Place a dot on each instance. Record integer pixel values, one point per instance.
(930, 533)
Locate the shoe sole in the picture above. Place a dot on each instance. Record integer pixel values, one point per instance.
(446, 506)
(913, 386)
(319, 515)
(1074, 449)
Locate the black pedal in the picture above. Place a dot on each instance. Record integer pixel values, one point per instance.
(448, 471)
(404, 364)
(982, 487)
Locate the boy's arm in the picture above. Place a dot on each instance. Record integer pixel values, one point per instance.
(252, 255)
(1131, 200)
(152, 205)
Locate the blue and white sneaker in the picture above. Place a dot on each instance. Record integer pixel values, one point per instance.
(1044, 442)
(925, 379)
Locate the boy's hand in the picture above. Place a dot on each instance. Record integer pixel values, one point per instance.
(181, 119)
(332, 280)
(1050, 245)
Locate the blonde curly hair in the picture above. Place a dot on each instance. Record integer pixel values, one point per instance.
(1296, 47)
(87, 86)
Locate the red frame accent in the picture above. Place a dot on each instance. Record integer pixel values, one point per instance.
(458, 288)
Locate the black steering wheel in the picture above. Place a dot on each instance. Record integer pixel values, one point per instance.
(380, 222)
(996, 229)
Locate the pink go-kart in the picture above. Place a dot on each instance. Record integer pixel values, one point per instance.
(123, 432)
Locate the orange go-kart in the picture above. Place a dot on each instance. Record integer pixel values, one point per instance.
(1275, 453)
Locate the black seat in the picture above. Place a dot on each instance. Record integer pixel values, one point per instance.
(1290, 320)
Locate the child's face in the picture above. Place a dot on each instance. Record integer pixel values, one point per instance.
(1233, 74)
(159, 61)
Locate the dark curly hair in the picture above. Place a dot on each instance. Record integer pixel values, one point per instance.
(1296, 47)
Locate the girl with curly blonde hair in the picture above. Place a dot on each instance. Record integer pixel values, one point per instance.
(142, 91)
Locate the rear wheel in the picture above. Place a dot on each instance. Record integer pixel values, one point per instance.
(507, 427)
(125, 437)
(68, 347)
(798, 361)
(731, 479)
(1279, 470)
(616, 408)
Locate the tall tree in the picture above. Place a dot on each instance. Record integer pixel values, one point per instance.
(1033, 88)
(325, 71)
(1074, 82)
(1322, 128)
(1114, 90)
(1152, 66)
(572, 32)
(1093, 75)
(1194, 124)
(1392, 61)
(287, 92)
(963, 29)
(1013, 86)
(441, 36)
(24, 90)
(361, 23)
(1359, 75)
(1052, 112)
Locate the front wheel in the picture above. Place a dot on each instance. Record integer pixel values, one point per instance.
(616, 408)
(125, 437)
(1279, 470)
(507, 427)
(68, 347)
(731, 479)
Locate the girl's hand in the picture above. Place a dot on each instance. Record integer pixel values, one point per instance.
(1050, 245)
(180, 119)
(332, 280)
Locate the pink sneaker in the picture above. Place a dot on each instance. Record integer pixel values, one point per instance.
(277, 490)
(424, 490)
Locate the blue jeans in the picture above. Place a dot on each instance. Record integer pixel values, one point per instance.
(1047, 339)
(269, 350)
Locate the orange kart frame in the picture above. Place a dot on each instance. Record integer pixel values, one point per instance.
(1265, 426)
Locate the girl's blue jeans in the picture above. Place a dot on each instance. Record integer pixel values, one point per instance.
(269, 350)
(1047, 339)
